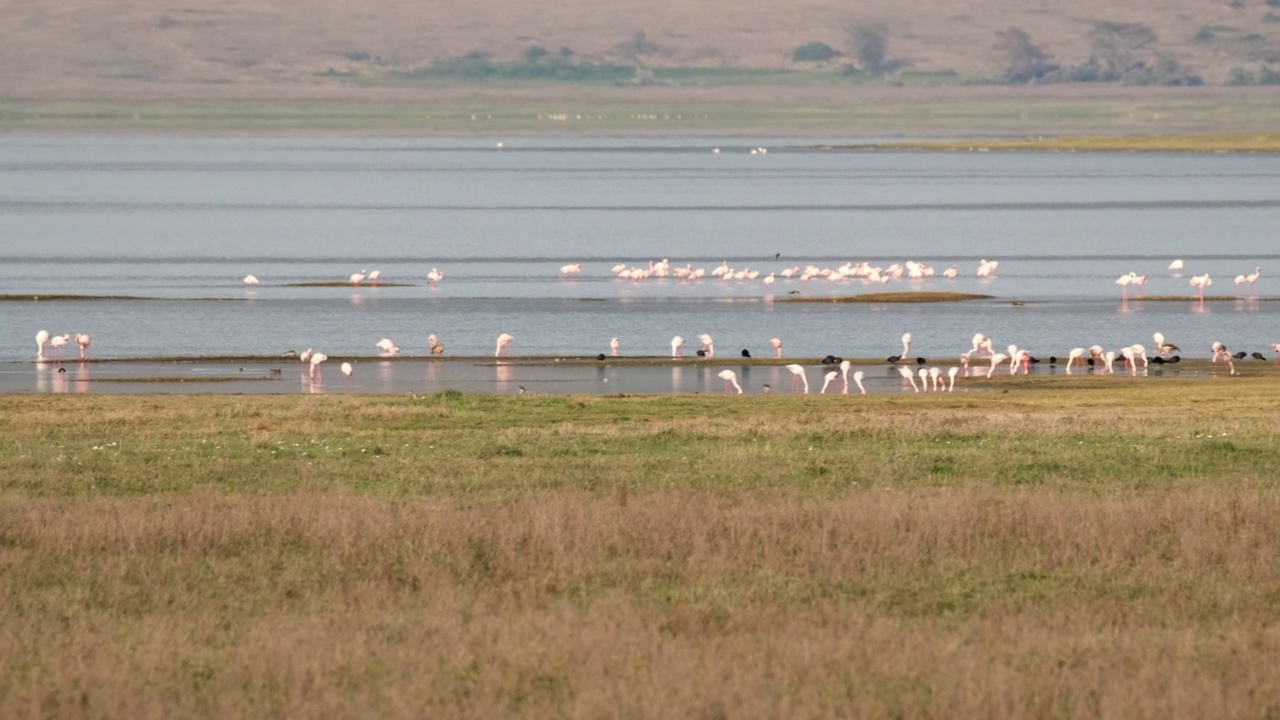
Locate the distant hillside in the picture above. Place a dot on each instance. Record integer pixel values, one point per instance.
(68, 48)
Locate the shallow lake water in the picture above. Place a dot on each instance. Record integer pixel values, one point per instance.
(180, 221)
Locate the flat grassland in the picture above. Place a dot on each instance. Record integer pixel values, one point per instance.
(1075, 547)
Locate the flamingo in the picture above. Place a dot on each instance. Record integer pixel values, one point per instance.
(42, 337)
(950, 273)
(1073, 356)
(777, 347)
(1251, 278)
(798, 377)
(373, 276)
(730, 381)
(987, 268)
(615, 346)
(570, 269)
(56, 342)
(1109, 360)
(83, 340)
(1175, 266)
(1139, 353)
(829, 378)
(906, 347)
(951, 379)
(1124, 281)
(1129, 360)
(316, 359)
(1220, 350)
(250, 280)
(996, 361)
(437, 347)
(1200, 282)
(387, 347)
(935, 376)
(909, 376)
(708, 346)
(305, 356)
(434, 277)
(677, 345)
(504, 340)
(1162, 347)
(357, 278)
(346, 369)
(924, 379)
(1276, 348)
(857, 380)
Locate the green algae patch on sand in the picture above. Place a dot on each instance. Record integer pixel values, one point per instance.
(1195, 143)
(894, 297)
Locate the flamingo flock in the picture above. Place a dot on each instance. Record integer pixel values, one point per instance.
(1198, 283)
(864, 271)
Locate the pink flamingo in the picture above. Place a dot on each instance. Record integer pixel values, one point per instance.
(83, 340)
(56, 342)
(250, 280)
(996, 361)
(730, 381)
(1109, 361)
(1276, 348)
(1200, 282)
(1220, 351)
(924, 379)
(951, 379)
(356, 278)
(314, 370)
(373, 276)
(305, 356)
(857, 380)
(798, 377)
(346, 370)
(677, 345)
(906, 347)
(777, 347)
(950, 273)
(615, 346)
(1073, 356)
(708, 346)
(909, 376)
(572, 269)
(1124, 281)
(434, 277)
(504, 340)
(42, 337)
(829, 378)
(387, 347)
(935, 377)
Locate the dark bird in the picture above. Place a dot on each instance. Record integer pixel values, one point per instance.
(1174, 359)
(600, 357)
(1257, 356)
(1035, 360)
(702, 353)
(777, 255)
(1240, 355)
(832, 360)
(746, 353)
(921, 361)
(1090, 361)
(1157, 360)
(1053, 359)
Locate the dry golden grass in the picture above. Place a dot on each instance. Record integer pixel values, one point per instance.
(1081, 547)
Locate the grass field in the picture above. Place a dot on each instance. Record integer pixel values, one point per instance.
(1075, 547)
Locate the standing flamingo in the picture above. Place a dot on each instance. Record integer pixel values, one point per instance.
(777, 347)
(708, 346)
(1073, 356)
(305, 356)
(1200, 282)
(83, 340)
(1220, 351)
(1124, 281)
(42, 337)
(730, 381)
(615, 346)
(996, 361)
(798, 377)
(909, 376)
(572, 269)
(950, 273)
(314, 370)
(250, 280)
(356, 278)
(1276, 347)
(677, 345)
(1175, 266)
(373, 276)
(434, 277)
(504, 340)
(906, 347)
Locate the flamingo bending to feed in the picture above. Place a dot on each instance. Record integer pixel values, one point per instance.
(996, 361)
(1109, 360)
(798, 377)
(777, 346)
(504, 341)
(615, 346)
(437, 347)
(924, 379)
(346, 369)
(829, 378)
(906, 347)
(1220, 350)
(387, 347)
(1175, 266)
(1200, 282)
(357, 278)
(708, 347)
(1073, 356)
(677, 346)
(305, 356)
(730, 381)
(42, 337)
(83, 340)
(434, 277)
(56, 342)
(909, 376)
(570, 269)
(857, 380)
(951, 379)
(935, 376)
(1139, 353)
(316, 359)
(250, 280)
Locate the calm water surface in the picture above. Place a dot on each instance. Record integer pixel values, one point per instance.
(180, 221)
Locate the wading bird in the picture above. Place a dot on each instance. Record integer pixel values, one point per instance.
(909, 377)
(387, 347)
(42, 337)
(503, 346)
(346, 369)
(730, 381)
(1200, 282)
(615, 346)
(83, 340)
(314, 370)
(708, 347)
(906, 347)
(357, 278)
(677, 346)
(777, 346)
(827, 379)
(798, 377)
(1164, 348)
(437, 347)
(250, 280)
(56, 342)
